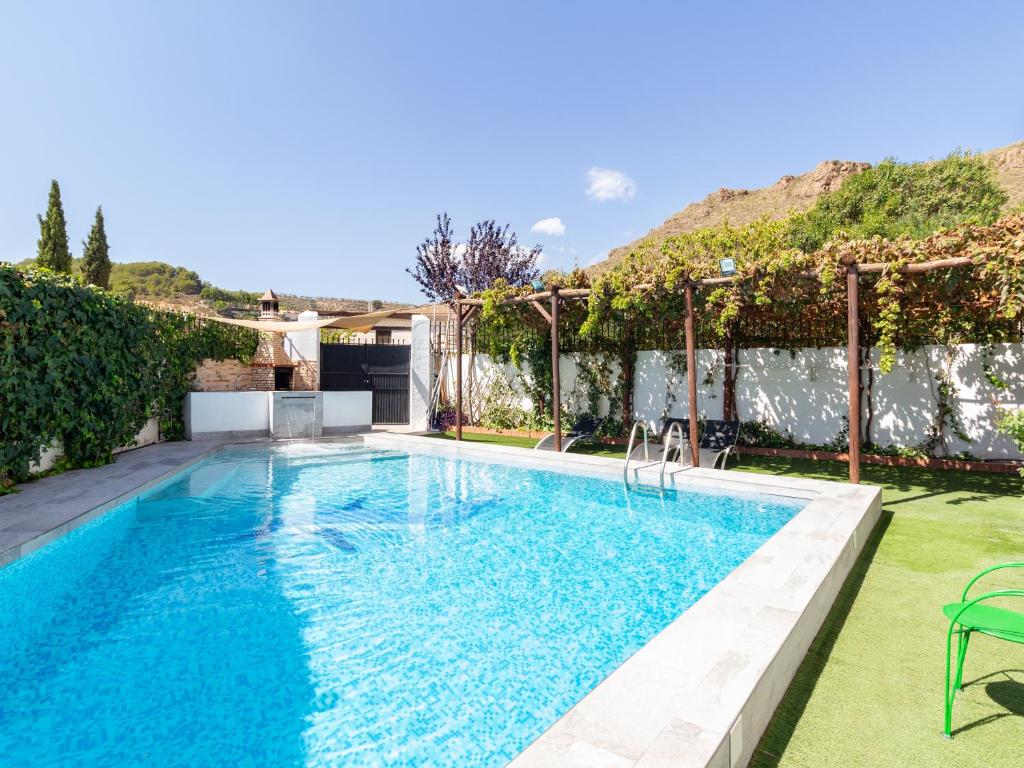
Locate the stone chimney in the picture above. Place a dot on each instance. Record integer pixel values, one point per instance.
(269, 306)
(271, 367)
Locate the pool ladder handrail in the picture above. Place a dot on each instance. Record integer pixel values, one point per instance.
(629, 448)
(675, 426)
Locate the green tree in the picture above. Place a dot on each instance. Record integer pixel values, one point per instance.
(53, 235)
(96, 254)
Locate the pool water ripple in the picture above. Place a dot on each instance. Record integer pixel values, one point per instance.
(328, 605)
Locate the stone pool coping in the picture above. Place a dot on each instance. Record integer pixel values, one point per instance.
(45, 509)
(703, 690)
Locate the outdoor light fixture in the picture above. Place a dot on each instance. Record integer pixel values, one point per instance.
(537, 285)
(727, 267)
(463, 290)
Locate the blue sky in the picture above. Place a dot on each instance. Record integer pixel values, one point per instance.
(308, 146)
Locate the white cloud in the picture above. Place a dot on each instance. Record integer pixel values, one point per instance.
(604, 184)
(552, 226)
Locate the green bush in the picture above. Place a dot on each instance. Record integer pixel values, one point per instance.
(894, 199)
(87, 368)
(759, 434)
(1011, 424)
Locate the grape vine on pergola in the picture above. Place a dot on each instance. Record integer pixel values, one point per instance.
(467, 306)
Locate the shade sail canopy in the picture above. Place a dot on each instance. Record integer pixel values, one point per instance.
(357, 323)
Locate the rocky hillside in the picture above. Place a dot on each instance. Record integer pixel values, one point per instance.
(1009, 164)
(797, 193)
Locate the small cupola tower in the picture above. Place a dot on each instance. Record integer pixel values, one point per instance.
(268, 306)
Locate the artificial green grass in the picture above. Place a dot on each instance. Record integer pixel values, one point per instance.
(869, 692)
(594, 449)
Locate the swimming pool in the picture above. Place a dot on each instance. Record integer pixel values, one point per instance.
(320, 605)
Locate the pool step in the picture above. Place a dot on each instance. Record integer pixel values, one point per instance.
(355, 457)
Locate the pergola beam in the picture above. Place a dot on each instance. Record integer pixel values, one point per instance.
(543, 312)
(707, 282)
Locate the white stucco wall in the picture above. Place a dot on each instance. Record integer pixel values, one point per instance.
(148, 435)
(484, 369)
(398, 336)
(346, 410)
(805, 393)
(249, 413)
(227, 412)
(421, 375)
(304, 345)
(905, 398)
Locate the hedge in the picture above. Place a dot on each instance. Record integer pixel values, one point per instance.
(83, 367)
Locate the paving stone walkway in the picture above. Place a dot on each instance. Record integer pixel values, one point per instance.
(48, 508)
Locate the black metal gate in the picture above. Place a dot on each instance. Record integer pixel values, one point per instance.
(382, 369)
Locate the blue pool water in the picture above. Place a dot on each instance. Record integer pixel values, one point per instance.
(333, 605)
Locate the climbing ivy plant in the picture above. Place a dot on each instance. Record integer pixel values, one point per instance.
(85, 368)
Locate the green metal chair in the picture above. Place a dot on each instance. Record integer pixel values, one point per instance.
(975, 615)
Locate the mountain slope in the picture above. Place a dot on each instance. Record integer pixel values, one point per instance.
(1009, 164)
(796, 193)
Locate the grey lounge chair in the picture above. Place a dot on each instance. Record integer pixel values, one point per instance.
(656, 448)
(717, 442)
(582, 429)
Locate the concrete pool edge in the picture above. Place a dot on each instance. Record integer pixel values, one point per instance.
(702, 691)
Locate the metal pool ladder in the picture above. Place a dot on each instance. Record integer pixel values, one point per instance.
(629, 449)
(675, 426)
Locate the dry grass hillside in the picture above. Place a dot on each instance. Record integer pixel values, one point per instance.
(288, 304)
(796, 193)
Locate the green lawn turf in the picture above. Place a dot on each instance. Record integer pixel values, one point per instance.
(595, 449)
(869, 692)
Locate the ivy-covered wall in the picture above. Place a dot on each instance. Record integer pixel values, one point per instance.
(87, 369)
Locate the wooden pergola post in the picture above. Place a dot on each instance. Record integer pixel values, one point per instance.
(691, 375)
(853, 369)
(556, 389)
(458, 370)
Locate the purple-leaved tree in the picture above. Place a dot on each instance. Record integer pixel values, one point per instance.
(491, 252)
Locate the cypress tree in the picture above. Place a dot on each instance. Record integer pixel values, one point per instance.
(96, 254)
(53, 235)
